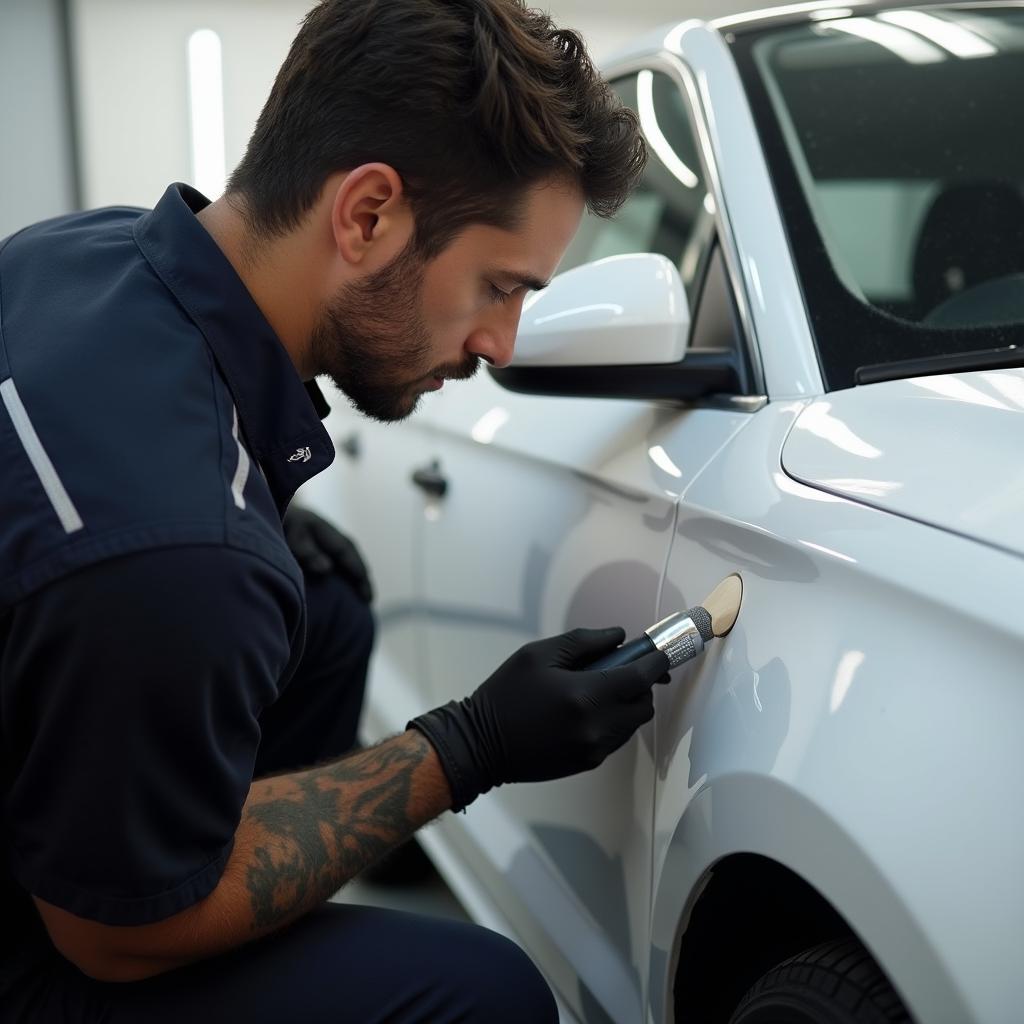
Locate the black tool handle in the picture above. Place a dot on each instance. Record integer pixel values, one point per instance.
(629, 651)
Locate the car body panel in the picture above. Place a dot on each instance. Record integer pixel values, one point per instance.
(856, 726)
(941, 449)
(369, 494)
(566, 507)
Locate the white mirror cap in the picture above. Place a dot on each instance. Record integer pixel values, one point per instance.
(620, 311)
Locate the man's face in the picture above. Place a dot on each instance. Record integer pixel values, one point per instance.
(410, 326)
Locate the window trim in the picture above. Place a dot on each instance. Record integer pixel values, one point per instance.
(679, 71)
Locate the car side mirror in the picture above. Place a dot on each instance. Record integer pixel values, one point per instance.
(616, 328)
(620, 311)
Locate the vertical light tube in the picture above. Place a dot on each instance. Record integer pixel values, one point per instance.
(655, 136)
(206, 105)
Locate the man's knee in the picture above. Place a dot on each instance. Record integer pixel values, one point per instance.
(498, 983)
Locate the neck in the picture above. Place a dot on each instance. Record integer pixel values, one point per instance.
(276, 274)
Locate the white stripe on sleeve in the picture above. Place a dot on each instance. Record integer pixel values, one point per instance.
(59, 498)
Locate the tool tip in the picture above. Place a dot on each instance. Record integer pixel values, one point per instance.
(723, 604)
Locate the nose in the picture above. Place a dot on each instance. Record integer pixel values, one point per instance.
(494, 337)
(494, 344)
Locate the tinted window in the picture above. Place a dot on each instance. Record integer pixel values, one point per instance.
(896, 143)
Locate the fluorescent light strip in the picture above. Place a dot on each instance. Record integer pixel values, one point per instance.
(815, 9)
(649, 122)
(905, 45)
(206, 101)
(959, 41)
(835, 12)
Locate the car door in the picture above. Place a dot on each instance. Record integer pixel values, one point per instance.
(559, 513)
(369, 493)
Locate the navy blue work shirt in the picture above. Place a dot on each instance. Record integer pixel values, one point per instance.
(152, 431)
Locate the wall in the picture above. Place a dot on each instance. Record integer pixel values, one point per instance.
(132, 75)
(132, 85)
(36, 155)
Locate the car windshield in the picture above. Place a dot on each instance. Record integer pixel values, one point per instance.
(896, 146)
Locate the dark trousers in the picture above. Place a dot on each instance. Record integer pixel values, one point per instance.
(340, 964)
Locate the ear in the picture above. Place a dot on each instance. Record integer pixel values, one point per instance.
(370, 213)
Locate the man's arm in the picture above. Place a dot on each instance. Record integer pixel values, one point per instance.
(300, 838)
(163, 726)
(540, 715)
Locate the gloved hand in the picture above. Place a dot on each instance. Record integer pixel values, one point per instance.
(541, 715)
(320, 548)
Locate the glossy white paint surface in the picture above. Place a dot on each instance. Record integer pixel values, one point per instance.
(562, 517)
(860, 726)
(942, 449)
(370, 495)
(621, 310)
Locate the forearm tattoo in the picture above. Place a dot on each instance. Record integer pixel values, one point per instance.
(321, 827)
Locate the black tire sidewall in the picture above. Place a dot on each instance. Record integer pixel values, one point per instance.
(793, 1005)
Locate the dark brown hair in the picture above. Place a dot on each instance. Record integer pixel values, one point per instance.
(471, 101)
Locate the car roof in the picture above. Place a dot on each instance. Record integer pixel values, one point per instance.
(760, 17)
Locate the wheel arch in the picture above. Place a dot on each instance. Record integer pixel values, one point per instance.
(747, 849)
(754, 912)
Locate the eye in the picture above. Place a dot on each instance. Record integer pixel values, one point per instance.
(497, 295)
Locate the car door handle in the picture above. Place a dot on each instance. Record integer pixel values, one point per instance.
(350, 445)
(431, 480)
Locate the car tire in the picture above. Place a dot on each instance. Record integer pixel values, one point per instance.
(837, 982)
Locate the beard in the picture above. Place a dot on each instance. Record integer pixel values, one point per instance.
(372, 341)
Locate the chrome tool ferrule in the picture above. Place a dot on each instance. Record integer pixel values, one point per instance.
(677, 637)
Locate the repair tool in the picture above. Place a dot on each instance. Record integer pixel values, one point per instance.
(682, 635)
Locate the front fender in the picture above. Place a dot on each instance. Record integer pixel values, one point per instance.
(860, 726)
(758, 814)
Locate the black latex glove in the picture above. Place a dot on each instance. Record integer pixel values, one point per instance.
(321, 549)
(541, 715)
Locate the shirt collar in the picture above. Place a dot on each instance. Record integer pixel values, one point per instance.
(280, 416)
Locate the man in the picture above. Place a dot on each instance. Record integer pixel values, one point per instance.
(419, 166)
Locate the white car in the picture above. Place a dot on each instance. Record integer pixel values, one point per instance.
(792, 356)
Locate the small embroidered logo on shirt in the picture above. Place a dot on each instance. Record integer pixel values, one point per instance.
(301, 455)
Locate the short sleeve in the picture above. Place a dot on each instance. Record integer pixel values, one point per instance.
(131, 693)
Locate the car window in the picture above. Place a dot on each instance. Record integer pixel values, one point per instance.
(912, 217)
(896, 145)
(876, 225)
(671, 211)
